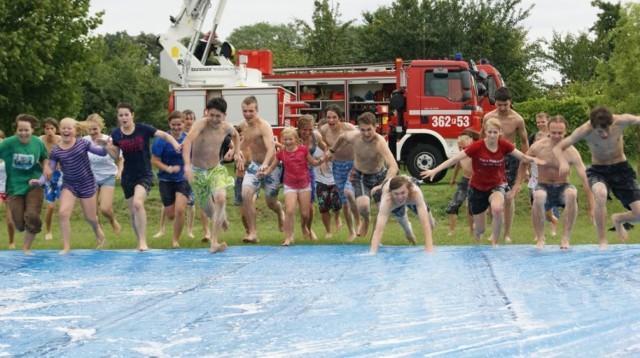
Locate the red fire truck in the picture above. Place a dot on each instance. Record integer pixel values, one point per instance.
(423, 105)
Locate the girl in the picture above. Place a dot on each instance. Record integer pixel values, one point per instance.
(397, 193)
(297, 181)
(78, 183)
(137, 177)
(488, 183)
(105, 170)
(174, 188)
(52, 186)
(25, 159)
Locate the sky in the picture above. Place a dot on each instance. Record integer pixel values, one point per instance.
(152, 16)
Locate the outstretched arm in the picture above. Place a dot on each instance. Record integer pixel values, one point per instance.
(431, 173)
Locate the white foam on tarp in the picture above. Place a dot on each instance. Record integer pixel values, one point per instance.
(78, 334)
(41, 318)
(157, 349)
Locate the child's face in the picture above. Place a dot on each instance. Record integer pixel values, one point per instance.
(67, 130)
(24, 131)
(125, 117)
(176, 125)
(214, 116)
(288, 140)
(493, 133)
(50, 130)
(94, 130)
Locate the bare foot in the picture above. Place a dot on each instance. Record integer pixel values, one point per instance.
(622, 233)
(564, 243)
(338, 224)
(27, 252)
(158, 234)
(507, 239)
(451, 233)
(328, 235)
(117, 229)
(362, 229)
(250, 239)
(286, 242)
(554, 227)
(64, 252)
(478, 238)
(190, 235)
(48, 236)
(494, 242)
(352, 236)
(218, 248)
(175, 244)
(412, 240)
(603, 245)
(313, 236)
(540, 244)
(142, 246)
(12, 245)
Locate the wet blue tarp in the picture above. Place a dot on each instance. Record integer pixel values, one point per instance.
(322, 301)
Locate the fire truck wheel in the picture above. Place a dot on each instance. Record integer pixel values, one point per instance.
(425, 156)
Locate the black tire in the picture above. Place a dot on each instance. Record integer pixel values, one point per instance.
(425, 156)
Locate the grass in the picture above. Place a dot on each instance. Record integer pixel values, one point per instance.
(437, 195)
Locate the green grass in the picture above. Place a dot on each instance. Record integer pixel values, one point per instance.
(437, 195)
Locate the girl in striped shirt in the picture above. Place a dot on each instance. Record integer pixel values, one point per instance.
(78, 181)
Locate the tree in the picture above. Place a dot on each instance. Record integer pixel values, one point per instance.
(283, 40)
(124, 74)
(44, 56)
(325, 43)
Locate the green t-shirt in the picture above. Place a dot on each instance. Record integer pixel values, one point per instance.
(23, 162)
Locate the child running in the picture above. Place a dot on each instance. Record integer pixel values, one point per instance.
(137, 177)
(488, 185)
(25, 157)
(78, 183)
(105, 170)
(460, 194)
(52, 188)
(297, 181)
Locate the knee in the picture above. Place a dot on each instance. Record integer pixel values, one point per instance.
(32, 223)
(600, 192)
(171, 214)
(497, 210)
(539, 198)
(138, 205)
(570, 196)
(105, 211)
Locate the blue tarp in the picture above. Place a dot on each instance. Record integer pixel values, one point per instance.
(323, 301)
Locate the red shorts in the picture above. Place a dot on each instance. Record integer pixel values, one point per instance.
(3, 197)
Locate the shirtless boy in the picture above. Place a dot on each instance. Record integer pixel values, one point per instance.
(513, 126)
(342, 164)
(258, 140)
(373, 163)
(554, 190)
(609, 170)
(208, 178)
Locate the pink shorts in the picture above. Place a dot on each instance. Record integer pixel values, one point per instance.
(288, 189)
(3, 197)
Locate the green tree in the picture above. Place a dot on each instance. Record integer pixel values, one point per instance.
(124, 73)
(44, 56)
(325, 43)
(284, 41)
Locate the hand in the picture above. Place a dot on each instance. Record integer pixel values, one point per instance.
(563, 168)
(33, 183)
(375, 189)
(239, 159)
(513, 192)
(48, 173)
(178, 148)
(427, 174)
(188, 173)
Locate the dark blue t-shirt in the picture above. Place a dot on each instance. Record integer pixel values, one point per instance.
(135, 151)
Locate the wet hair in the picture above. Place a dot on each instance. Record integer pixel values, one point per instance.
(492, 122)
(175, 114)
(472, 133)
(290, 131)
(464, 140)
(250, 100)
(559, 119)
(29, 118)
(125, 105)
(600, 117)
(52, 122)
(335, 109)
(306, 120)
(97, 119)
(367, 118)
(503, 94)
(218, 103)
(399, 181)
(188, 112)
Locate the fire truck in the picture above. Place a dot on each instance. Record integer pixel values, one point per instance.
(423, 105)
(202, 69)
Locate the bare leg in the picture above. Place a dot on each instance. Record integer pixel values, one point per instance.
(276, 207)
(600, 216)
(628, 217)
(139, 216)
(191, 212)
(452, 223)
(89, 210)
(248, 193)
(163, 223)
(497, 202)
(479, 225)
(326, 221)
(569, 216)
(11, 229)
(538, 216)
(217, 219)
(48, 220)
(290, 201)
(405, 224)
(67, 202)
(364, 210)
(204, 221)
(105, 195)
(509, 211)
(28, 241)
(553, 221)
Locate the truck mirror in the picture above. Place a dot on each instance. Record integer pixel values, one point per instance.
(466, 95)
(440, 72)
(481, 89)
(397, 102)
(466, 80)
